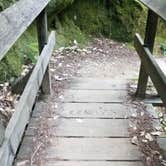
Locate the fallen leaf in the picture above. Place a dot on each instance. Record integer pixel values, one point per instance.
(149, 137)
(134, 140)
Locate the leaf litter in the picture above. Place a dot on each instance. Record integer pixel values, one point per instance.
(143, 132)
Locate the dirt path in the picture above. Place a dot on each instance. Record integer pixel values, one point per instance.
(85, 120)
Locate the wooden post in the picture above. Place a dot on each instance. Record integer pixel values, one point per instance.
(151, 28)
(42, 30)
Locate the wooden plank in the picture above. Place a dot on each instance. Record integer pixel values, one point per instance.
(63, 127)
(20, 118)
(99, 85)
(162, 63)
(84, 110)
(2, 133)
(95, 110)
(82, 163)
(152, 69)
(93, 163)
(27, 148)
(84, 83)
(16, 19)
(90, 149)
(96, 96)
(156, 101)
(162, 143)
(42, 109)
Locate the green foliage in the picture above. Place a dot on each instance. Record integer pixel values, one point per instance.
(161, 29)
(10, 66)
(125, 16)
(24, 51)
(89, 16)
(68, 32)
(28, 46)
(6, 3)
(56, 6)
(118, 21)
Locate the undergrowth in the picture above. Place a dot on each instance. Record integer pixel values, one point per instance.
(24, 51)
(68, 32)
(78, 21)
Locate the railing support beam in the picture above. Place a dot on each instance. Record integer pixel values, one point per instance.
(150, 34)
(42, 31)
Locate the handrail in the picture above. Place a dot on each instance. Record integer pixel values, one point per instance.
(13, 23)
(16, 19)
(151, 67)
(20, 118)
(158, 7)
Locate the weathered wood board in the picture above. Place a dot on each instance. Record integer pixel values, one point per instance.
(93, 163)
(95, 110)
(81, 83)
(156, 101)
(2, 133)
(83, 127)
(157, 6)
(16, 19)
(151, 68)
(84, 110)
(97, 96)
(92, 130)
(92, 149)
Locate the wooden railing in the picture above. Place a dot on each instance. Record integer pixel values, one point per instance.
(13, 23)
(149, 66)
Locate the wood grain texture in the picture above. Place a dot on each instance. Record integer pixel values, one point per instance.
(90, 149)
(16, 19)
(156, 6)
(82, 127)
(93, 163)
(20, 118)
(97, 96)
(84, 149)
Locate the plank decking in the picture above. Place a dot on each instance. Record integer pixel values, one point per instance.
(92, 128)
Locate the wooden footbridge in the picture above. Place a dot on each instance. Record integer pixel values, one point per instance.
(93, 120)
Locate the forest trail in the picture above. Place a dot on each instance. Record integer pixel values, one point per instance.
(85, 121)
